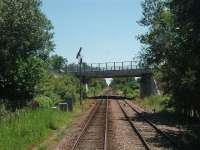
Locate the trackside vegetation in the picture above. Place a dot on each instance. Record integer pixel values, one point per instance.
(25, 44)
(171, 46)
(27, 128)
(155, 103)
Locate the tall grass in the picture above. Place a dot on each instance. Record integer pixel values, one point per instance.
(154, 103)
(21, 129)
(27, 128)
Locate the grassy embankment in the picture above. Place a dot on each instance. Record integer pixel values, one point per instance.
(27, 128)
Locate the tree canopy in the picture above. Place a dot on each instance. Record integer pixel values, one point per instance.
(57, 63)
(25, 43)
(172, 46)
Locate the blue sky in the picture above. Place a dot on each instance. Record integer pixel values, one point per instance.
(106, 29)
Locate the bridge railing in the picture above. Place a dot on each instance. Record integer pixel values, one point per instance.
(109, 66)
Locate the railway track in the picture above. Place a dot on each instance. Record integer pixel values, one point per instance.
(94, 133)
(150, 136)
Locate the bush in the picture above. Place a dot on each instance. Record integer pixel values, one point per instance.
(54, 88)
(45, 102)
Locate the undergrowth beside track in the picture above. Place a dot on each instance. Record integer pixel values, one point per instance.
(27, 128)
(154, 103)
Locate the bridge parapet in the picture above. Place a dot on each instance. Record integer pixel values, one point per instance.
(109, 69)
(108, 66)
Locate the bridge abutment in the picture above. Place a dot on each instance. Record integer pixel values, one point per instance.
(147, 86)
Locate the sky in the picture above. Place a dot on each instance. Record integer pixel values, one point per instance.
(106, 29)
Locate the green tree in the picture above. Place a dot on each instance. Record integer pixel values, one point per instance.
(25, 43)
(186, 51)
(56, 87)
(57, 63)
(172, 46)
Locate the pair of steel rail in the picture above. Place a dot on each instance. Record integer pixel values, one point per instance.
(87, 123)
(145, 144)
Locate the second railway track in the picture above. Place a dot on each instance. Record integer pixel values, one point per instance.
(94, 134)
(151, 137)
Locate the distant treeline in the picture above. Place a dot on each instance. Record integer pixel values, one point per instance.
(127, 87)
(96, 87)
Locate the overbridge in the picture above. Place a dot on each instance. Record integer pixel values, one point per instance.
(117, 69)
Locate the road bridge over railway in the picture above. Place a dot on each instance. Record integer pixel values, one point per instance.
(116, 69)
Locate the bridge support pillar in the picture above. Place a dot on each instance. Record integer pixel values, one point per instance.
(147, 86)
